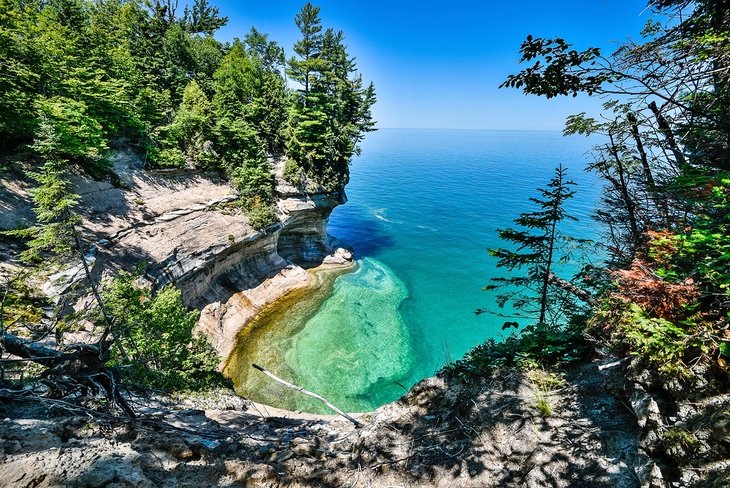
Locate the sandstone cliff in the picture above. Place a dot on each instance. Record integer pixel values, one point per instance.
(188, 229)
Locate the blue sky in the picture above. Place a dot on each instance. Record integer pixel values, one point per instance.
(438, 64)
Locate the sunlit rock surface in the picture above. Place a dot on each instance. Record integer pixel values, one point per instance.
(188, 229)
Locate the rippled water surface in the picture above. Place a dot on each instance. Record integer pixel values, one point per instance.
(423, 207)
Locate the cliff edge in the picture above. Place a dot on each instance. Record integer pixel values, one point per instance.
(189, 230)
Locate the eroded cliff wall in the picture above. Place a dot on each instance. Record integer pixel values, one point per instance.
(189, 230)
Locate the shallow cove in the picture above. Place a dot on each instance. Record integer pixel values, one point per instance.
(344, 339)
(423, 205)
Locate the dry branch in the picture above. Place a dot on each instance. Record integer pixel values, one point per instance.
(308, 393)
(574, 290)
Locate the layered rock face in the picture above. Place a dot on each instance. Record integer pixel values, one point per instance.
(188, 229)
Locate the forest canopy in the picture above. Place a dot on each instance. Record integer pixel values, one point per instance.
(79, 76)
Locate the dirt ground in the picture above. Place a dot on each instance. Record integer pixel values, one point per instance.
(512, 429)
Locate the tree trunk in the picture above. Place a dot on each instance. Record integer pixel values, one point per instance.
(623, 189)
(83, 363)
(666, 131)
(659, 201)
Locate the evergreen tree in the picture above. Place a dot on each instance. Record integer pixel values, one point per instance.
(268, 54)
(203, 18)
(332, 110)
(308, 47)
(539, 246)
(234, 83)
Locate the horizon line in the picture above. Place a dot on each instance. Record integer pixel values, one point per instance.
(468, 128)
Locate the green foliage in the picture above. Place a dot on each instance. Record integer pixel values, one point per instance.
(203, 18)
(539, 247)
(189, 133)
(330, 114)
(543, 405)
(562, 72)
(53, 205)
(679, 437)
(253, 180)
(66, 131)
(261, 213)
(704, 249)
(249, 87)
(156, 337)
(22, 303)
(292, 173)
(537, 345)
(166, 158)
(670, 347)
(663, 342)
(234, 83)
(20, 77)
(98, 70)
(545, 380)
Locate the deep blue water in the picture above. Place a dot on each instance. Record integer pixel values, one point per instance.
(424, 206)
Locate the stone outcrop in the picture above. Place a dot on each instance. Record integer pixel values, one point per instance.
(188, 228)
(443, 433)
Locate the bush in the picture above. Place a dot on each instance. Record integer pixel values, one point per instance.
(293, 173)
(166, 158)
(253, 179)
(538, 345)
(668, 346)
(156, 337)
(261, 214)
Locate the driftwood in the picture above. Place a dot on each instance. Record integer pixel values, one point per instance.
(308, 393)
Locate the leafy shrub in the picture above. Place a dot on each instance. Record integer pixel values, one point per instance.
(156, 347)
(166, 158)
(293, 173)
(253, 179)
(671, 305)
(23, 304)
(261, 214)
(538, 345)
(667, 345)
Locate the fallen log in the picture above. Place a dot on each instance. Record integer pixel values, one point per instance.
(308, 393)
(29, 350)
(84, 364)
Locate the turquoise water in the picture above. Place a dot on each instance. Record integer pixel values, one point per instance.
(369, 342)
(423, 207)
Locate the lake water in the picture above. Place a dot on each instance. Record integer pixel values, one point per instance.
(424, 206)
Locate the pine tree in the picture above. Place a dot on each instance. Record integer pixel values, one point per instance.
(203, 18)
(538, 247)
(308, 47)
(332, 111)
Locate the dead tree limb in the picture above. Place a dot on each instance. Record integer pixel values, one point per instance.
(571, 288)
(666, 131)
(82, 365)
(308, 393)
